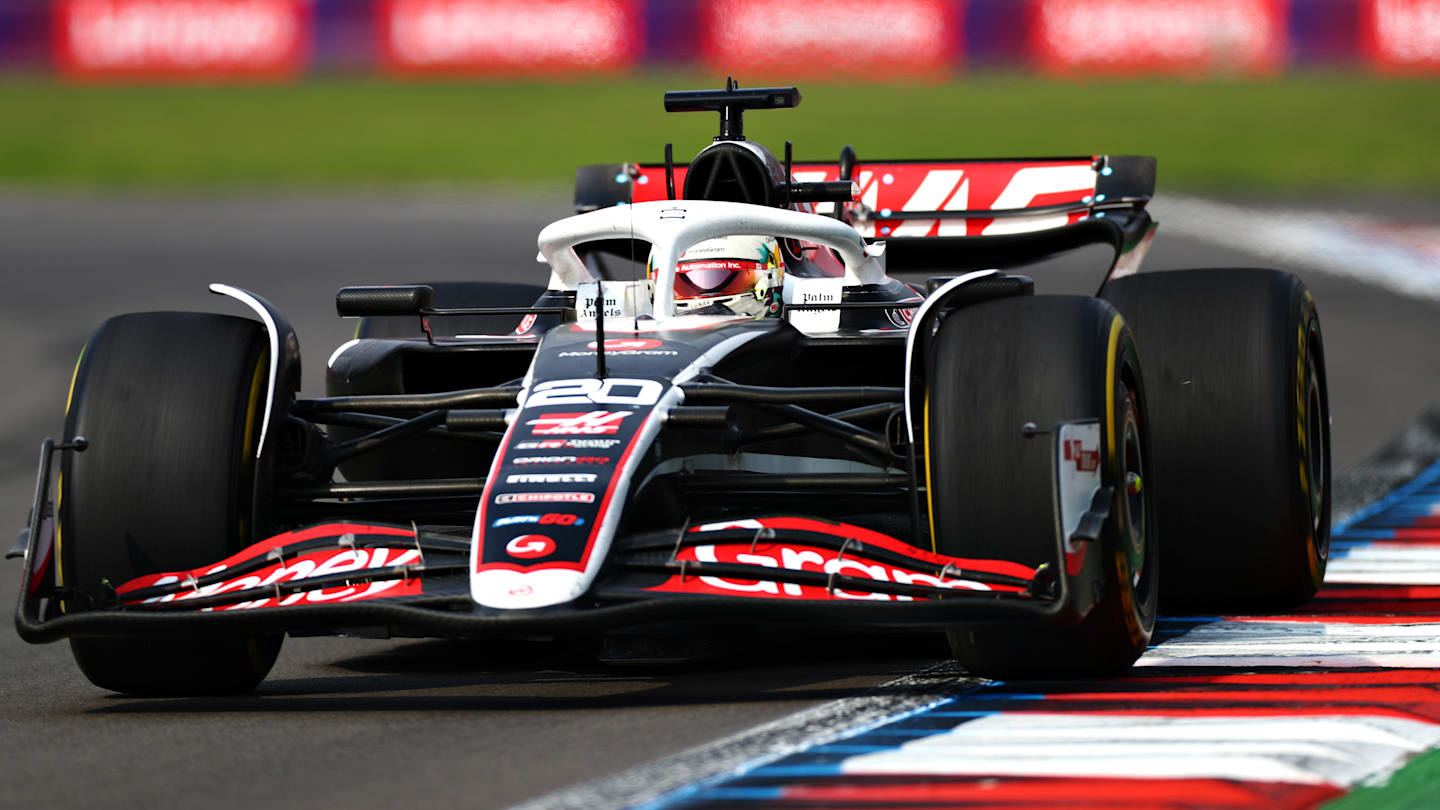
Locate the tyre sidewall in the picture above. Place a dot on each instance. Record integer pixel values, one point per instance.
(171, 404)
(1092, 359)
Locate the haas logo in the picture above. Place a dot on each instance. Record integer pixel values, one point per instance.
(578, 424)
(530, 546)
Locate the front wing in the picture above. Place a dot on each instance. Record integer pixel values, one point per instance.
(348, 576)
(409, 580)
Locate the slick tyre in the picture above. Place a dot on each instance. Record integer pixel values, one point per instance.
(1241, 430)
(458, 295)
(1041, 359)
(171, 403)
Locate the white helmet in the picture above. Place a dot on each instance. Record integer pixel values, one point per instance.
(741, 274)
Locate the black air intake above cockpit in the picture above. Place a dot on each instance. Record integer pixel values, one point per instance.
(730, 172)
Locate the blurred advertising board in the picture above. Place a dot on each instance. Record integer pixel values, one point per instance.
(1159, 36)
(509, 36)
(181, 38)
(758, 41)
(781, 38)
(1401, 35)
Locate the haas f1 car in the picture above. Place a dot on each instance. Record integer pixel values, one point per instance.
(724, 409)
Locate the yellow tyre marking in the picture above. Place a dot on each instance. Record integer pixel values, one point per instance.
(1115, 327)
(250, 411)
(74, 375)
(929, 490)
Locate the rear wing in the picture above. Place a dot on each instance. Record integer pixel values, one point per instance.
(947, 216)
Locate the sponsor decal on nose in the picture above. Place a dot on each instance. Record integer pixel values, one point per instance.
(530, 546)
(544, 497)
(551, 478)
(627, 344)
(571, 424)
(573, 444)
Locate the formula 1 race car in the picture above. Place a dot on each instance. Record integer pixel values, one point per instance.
(721, 410)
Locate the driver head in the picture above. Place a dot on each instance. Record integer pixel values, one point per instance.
(738, 275)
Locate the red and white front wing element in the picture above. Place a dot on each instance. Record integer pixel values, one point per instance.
(306, 565)
(857, 560)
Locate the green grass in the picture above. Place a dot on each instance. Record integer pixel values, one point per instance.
(1295, 134)
(1414, 787)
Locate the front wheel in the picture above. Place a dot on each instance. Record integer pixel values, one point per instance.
(171, 403)
(1041, 359)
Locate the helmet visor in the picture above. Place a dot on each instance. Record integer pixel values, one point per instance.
(715, 277)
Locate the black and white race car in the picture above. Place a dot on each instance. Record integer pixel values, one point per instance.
(722, 409)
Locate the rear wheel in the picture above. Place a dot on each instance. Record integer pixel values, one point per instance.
(1236, 374)
(1041, 359)
(171, 403)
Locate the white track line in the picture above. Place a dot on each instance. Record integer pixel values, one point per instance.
(1402, 258)
(750, 749)
(1336, 749)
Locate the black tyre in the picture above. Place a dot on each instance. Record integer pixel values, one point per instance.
(458, 295)
(1041, 359)
(171, 403)
(1241, 431)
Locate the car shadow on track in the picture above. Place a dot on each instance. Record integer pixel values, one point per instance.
(555, 676)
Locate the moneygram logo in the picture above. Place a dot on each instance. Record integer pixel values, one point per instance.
(627, 344)
(544, 497)
(578, 424)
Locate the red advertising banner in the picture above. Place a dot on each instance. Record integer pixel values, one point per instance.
(182, 38)
(784, 38)
(1158, 36)
(1401, 36)
(509, 36)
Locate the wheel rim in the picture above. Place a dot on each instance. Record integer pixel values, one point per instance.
(1315, 446)
(1135, 499)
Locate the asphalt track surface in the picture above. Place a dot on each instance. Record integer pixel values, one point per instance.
(369, 723)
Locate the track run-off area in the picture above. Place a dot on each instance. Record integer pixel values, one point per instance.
(1272, 711)
(1280, 710)
(1284, 711)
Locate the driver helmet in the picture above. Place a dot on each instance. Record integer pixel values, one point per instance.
(730, 275)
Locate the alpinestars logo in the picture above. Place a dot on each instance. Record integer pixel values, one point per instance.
(578, 424)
